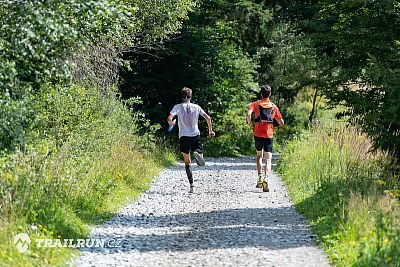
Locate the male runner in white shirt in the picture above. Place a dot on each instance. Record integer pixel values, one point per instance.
(189, 134)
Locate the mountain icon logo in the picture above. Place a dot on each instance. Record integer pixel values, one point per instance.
(22, 242)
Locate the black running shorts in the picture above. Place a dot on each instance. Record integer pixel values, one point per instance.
(263, 143)
(190, 143)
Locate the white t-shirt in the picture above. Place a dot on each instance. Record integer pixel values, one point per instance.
(188, 118)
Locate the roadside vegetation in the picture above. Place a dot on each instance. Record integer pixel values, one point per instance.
(349, 193)
(92, 160)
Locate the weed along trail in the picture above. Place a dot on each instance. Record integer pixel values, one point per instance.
(225, 222)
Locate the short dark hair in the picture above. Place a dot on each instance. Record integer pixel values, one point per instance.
(186, 92)
(266, 91)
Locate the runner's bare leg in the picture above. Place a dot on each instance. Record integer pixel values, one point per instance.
(187, 159)
(259, 161)
(268, 163)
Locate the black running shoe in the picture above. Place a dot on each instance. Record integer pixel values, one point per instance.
(265, 186)
(199, 158)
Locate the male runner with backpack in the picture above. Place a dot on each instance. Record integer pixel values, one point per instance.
(189, 134)
(265, 112)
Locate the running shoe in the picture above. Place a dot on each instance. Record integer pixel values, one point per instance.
(265, 186)
(199, 158)
(259, 182)
(191, 189)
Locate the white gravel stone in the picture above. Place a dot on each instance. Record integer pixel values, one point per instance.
(225, 222)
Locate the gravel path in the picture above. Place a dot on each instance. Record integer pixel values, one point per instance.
(225, 222)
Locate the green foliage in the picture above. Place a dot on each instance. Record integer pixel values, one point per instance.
(39, 36)
(40, 41)
(160, 19)
(36, 40)
(338, 184)
(234, 137)
(357, 48)
(205, 58)
(248, 22)
(10, 256)
(77, 152)
(296, 122)
(294, 60)
(85, 160)
(225, 48)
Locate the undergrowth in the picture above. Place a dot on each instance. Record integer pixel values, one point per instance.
(349, 194)
(88, 155)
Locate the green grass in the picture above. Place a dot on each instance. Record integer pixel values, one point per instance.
(126, 174)
(346, 193)
(93, 158)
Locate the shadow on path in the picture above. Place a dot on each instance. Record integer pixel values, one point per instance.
(270, 228)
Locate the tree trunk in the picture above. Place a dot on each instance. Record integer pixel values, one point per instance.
(314, 107)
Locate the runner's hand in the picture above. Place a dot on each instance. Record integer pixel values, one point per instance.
(170, 123)
(211, 133)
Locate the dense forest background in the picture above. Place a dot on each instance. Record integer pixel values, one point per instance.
(86, 87)
(346, 52)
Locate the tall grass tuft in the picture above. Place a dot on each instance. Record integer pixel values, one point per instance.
(347, 192)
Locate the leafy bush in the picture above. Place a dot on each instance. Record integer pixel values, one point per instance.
(295, 116)
(233, 136)
(40, 41)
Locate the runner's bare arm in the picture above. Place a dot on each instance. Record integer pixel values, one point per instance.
(248, 116)
(281, 122)
(209, 124)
